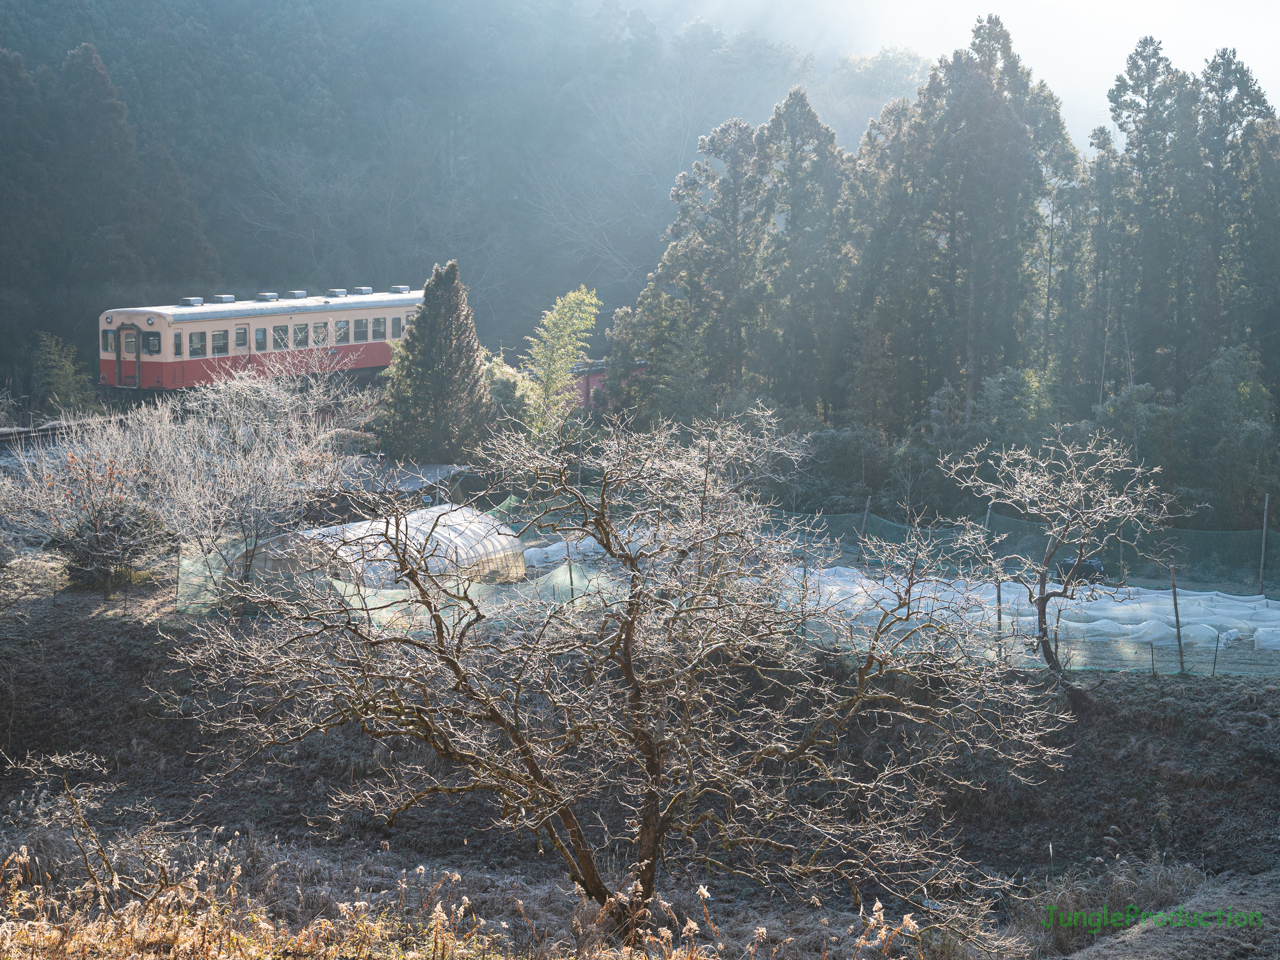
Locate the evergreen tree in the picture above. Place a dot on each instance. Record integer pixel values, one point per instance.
(170, 233)
(949, 217)
(697, 325)
(58, 382)
(97, 170)
(437, 403)
(806, 261)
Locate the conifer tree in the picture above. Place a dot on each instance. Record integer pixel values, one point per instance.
(59, 382)
(437, 401)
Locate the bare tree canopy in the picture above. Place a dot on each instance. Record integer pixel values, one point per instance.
(697, 701)
(1090, 495)
(215, 471)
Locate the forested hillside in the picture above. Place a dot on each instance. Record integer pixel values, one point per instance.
(310, 144)
(958, 271)
(968, 274)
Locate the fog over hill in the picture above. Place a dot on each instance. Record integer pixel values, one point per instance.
(1077, 50)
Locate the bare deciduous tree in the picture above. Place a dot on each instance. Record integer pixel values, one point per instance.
(1090, 496)
(88, 494)
(699, 702)
(220, 468)
(241, 457)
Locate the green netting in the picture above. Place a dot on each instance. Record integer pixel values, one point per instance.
(198, 579)
(848, 529)
(1209, 555)
(1202, 554)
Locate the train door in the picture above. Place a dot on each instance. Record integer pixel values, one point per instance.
(240, 345)
(129, 341)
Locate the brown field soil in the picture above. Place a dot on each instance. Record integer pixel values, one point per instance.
(1169, 769)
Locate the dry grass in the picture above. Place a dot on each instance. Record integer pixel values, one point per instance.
(210, 915)
(66, 892)
(1148, 885)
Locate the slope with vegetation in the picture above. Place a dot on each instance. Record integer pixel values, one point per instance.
(304, 144)
(967, 275)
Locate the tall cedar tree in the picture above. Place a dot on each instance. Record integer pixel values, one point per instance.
(437, 400)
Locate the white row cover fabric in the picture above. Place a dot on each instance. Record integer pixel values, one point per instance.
(1133, 614)
(445, 540)
(557, 553)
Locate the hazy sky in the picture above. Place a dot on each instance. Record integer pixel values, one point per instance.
(1078, 48)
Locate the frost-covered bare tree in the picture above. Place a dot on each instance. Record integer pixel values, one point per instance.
(242, 457)
(219, 469)
(90, 495)
(1090, 495)
(697, 701)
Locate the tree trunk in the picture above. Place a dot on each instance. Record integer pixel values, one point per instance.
(1075, 696)
(584, 865)
(649, 844)
(1048, 291)
(971, 359)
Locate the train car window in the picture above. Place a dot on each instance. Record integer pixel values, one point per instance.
(109, 341)
(130, 343)
(195, 344)
(220, 343)
(379, 328)
(151, 343)
(342, 331)
(396, 329)
(242, 336)
(280, 338)
(300, 334)
(260, 339)
(362, 329)
(320, 334)
(177, 344)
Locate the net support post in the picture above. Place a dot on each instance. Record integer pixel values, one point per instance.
(862, 534)
(1262, 557)
(1177, 620)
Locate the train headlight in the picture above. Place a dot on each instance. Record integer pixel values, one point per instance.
(108, 319)
(150, 321)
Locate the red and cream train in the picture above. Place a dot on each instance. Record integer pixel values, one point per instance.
(167, 348)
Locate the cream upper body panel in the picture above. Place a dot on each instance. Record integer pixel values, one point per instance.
(385, 313)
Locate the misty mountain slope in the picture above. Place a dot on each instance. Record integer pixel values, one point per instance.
(358, 143)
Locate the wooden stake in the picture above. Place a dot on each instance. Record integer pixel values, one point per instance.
(1153, 658)
(1177, 621)
(1262, 560)
(999, 607)
(1214, 671)
(863, 532)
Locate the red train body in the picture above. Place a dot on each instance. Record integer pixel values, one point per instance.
(193, 342)
(170, 347)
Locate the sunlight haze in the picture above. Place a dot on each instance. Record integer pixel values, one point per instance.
(1076, 49)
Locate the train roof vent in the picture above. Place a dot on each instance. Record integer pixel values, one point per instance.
(191, 301)
(268, 296)
(399, 289)
(337, 292)
(224, 298)
(363, 291)
(296, 295)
